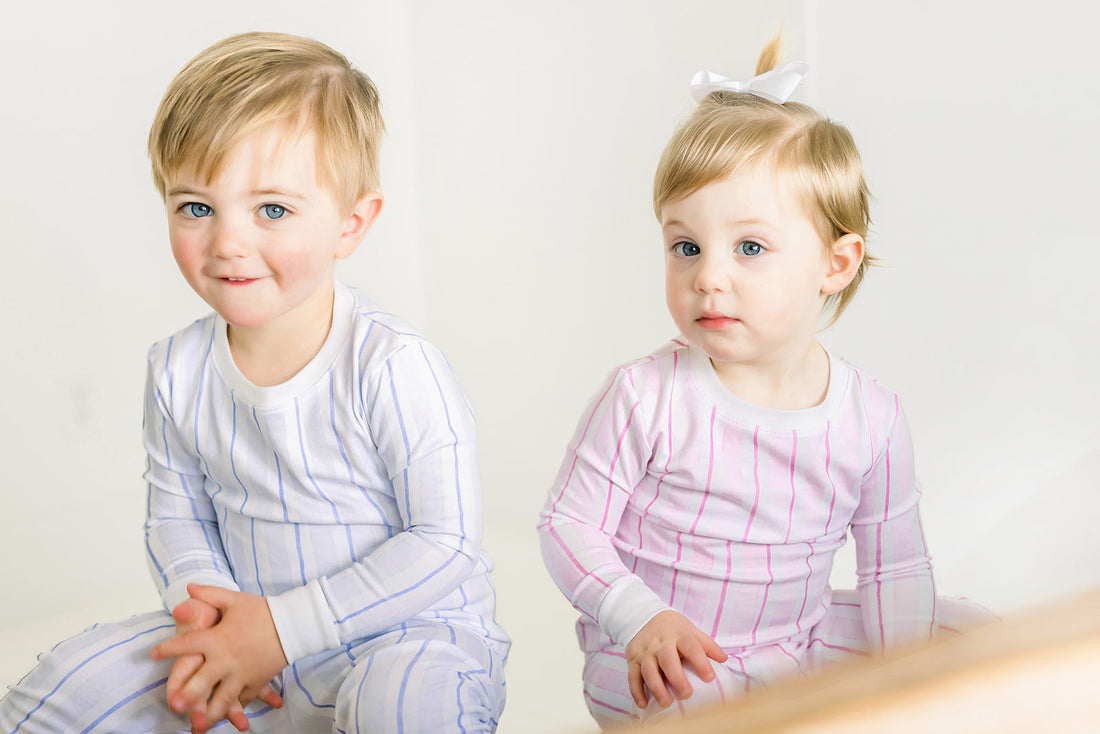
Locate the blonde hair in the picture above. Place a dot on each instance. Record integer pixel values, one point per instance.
(729, 132)
(248, 81)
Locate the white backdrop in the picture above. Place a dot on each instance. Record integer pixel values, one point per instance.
(519, 236)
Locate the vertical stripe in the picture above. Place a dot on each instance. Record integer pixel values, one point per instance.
(611, 468)
(790, 510)
(755, 481)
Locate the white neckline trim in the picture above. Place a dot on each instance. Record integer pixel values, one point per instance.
(343, 303)
(701, 374)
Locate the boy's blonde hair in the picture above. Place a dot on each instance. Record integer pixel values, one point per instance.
(730, 131)
(251, 80)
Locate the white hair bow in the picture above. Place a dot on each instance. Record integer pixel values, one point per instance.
(775, 85)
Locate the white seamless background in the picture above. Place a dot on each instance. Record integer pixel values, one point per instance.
(519, 235)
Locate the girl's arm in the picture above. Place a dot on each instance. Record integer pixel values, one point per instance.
(897, 593)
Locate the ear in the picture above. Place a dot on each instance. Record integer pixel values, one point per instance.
(358, 223)
(842, 263)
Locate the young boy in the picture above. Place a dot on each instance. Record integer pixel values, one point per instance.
(314, 512)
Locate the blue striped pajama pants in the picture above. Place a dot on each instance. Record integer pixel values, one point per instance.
(426, 676)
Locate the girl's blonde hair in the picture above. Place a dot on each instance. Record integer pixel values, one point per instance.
(730, 131)
(251, 80)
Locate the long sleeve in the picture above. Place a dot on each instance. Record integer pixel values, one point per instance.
(897, 593)
(424, 433)
(182, 539)
(605, 461)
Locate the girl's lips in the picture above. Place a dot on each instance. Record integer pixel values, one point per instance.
(715, 321)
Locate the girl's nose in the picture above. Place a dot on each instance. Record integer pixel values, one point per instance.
(711, 277)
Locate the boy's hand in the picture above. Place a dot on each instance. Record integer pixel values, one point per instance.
(654, 656)
(223, 666)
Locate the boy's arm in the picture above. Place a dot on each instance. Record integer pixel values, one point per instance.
(897, 593)
(605, 461)
(423, 429)
(182, 541)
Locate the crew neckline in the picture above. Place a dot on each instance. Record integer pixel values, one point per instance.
(245, 390)
(701, 373)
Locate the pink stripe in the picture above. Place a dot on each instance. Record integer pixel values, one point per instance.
(797, 662)
(744, 672)
(852, 650)
(832, 484)
(867, 419)
(878, 537)
(710, 472)
(668, 459)
(554, 507)
(725, 588)
(806, 592)
(790, 510)
(675, 568)
(755, 479)
(611, 469)
(609, 707)
(764, 603)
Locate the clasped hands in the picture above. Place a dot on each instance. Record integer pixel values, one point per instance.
(227, 652)
(655, 658)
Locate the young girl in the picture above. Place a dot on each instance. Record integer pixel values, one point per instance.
(696, 515)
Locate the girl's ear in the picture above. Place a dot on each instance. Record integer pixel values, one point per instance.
(843, 263)
(358, 223)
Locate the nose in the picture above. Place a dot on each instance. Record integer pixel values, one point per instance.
(711, 276)
(228, 239)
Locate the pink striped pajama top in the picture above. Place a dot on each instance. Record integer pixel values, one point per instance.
(676, 494)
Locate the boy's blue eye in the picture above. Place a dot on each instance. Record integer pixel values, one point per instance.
(196, 210)
(686, 249)
(749, 248)
(272, 211)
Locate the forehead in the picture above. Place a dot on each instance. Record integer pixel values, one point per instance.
(270, 156)
(754, 192)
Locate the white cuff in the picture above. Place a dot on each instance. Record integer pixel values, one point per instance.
(303, 621)
(627, 607)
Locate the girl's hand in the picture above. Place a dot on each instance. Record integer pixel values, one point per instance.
(654, 657)
(237, 655)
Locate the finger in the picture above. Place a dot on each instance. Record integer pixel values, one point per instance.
(651, 674)
(223, 700)
(186, 643)
(696, 656)
(215, 596)
(197, 690)
(268, 695)
(637, 685)
(713, 650)
(669, 660)
(184, 667)
(199, 722)
(237, 717)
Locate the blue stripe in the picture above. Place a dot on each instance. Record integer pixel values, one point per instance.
(305, 462)
(232, 458)
(123, 702)
(359, 693)
(309, 697)
(359, 360)
(454, 435)
(206, 468)
(404, 437)
(344, 454)
(404, 591)
(404, 686)
(72, 672)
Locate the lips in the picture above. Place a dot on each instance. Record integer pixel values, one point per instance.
(715, 320)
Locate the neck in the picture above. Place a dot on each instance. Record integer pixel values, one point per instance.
(273, 353)
(799, 382)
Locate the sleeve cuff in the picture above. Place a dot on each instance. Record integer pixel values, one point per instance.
(627, 608)
(303, 621)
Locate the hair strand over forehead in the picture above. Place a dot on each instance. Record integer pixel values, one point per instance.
(249, 81)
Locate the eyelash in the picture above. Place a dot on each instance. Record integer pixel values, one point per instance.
(187, 209)
(680, 247)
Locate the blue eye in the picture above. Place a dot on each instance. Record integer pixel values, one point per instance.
(749, 248)
(686, 249)
(272, 211)
(195, 210)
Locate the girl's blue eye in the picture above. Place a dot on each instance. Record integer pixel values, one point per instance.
(749, 248)
(272, 211)
(686, 249)
(196, 210)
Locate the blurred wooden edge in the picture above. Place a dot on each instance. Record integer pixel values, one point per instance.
(1039, 671)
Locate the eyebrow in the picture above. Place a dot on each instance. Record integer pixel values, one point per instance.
(736, 222)
(281, 193)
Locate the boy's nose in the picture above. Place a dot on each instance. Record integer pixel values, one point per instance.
(227, 241)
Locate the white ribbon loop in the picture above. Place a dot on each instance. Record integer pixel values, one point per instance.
(775, 85)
